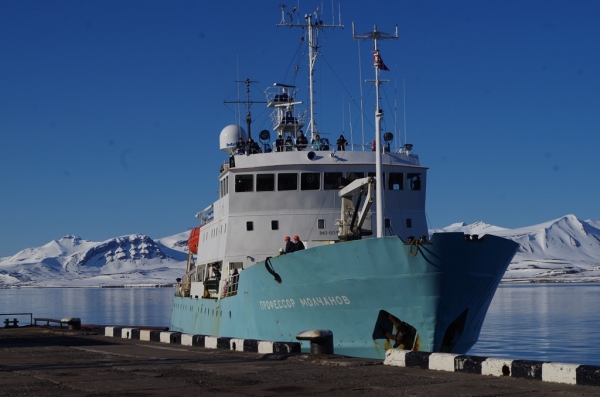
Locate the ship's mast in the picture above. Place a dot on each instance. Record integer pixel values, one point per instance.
(312, 24)
(375, 36)
(248, 103)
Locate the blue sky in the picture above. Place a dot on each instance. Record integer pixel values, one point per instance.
(110, 111)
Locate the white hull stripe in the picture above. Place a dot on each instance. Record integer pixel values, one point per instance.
(210, 342)
(575, 374)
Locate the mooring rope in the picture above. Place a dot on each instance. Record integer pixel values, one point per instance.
(271, 270)
(414, 243)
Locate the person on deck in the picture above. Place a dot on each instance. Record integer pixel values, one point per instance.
(341, 143)
(316, 143)
(289, 246)
(216, 272)
(288, 144)
(298, 245)
(301, 141)
(241, 146)
(252, 147)
(279, 144)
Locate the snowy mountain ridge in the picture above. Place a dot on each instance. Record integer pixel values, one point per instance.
(562, 250)
(74, 262)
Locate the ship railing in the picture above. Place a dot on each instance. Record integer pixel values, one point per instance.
(279, 95)
(229, 286)
(289, 120)
(224, 167)
(332, 146)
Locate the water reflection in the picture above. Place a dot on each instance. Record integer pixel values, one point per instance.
(106, 306)
(544, 322)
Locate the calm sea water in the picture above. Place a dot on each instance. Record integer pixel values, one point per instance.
(105, 306)
(549, 322)
(556, 322)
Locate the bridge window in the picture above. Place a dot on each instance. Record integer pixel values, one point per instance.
(395, 181)
(413, 181)
(287, 181)
(310, 181)
(382, 179)
(265, 182)
(332, 180)
(352, 176)
(244, 183)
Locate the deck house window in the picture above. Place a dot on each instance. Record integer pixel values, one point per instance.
(249, 226)
(265, 182)
(395, 181)
(382, 179)
(274, 225)
(352, 176)
(332, 180)
(244, 183)
(310, 181)
(287, 181)
(321, 223)
(413, 181)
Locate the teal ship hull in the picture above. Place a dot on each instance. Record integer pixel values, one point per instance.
(373, 294)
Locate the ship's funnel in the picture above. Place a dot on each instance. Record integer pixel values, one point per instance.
(229, 137)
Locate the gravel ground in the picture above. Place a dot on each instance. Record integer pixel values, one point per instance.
(39, 361)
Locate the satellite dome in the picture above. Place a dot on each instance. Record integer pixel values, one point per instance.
(229, 137)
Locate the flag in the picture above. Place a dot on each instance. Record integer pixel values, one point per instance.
(379, 62)
(382, 65)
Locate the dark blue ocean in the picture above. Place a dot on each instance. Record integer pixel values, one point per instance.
(544, 322)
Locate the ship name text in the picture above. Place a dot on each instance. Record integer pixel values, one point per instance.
(276, 304)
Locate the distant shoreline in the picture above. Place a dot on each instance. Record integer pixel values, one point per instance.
(525, 281)
(90, 286)
(168, 285)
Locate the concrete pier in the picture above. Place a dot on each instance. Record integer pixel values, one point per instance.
(40, 361)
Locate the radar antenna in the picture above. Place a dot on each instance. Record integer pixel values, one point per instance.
(247, 102)
(312, 24)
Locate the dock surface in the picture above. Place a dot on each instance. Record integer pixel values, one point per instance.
(40, 361)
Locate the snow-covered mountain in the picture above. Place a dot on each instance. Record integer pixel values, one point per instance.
(562, 250)
(74, 262)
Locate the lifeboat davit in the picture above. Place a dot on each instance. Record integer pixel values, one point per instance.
(194, 240)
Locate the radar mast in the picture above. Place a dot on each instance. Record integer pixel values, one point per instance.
(312, 24)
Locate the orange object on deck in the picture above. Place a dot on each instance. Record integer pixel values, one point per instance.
(194, 240)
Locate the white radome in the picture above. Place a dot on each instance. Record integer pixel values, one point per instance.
(229, 137)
